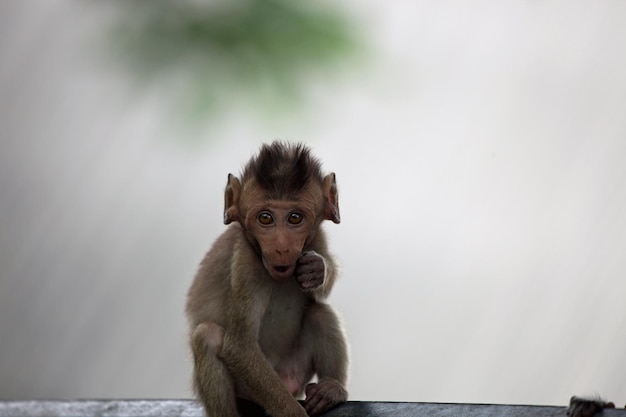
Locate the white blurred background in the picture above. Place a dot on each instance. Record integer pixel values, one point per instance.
(480, 151)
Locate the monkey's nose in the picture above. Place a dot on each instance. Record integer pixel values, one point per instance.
(284, 251)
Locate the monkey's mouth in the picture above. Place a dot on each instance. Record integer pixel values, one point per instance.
(282, 272)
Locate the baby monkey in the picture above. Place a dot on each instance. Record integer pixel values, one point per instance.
(260, 326)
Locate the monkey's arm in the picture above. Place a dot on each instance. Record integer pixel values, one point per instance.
(241, 352)
(330, 359)
(245, 360)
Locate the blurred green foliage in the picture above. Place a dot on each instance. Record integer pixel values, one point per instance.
(219, 55)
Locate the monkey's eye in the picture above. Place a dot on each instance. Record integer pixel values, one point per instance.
(295, 218)
(265, 218)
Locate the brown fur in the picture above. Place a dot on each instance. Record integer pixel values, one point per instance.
(282, 171)
(260, 328)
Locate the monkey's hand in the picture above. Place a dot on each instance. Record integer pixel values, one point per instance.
(586, 407)
(324, 395)
(310, 270)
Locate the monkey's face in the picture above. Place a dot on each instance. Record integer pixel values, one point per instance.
(281, 228)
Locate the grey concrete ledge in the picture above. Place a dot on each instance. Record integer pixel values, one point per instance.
(189, 408)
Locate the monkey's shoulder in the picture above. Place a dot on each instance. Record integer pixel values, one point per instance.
(211, 286)
(225, 243)
(220, 255)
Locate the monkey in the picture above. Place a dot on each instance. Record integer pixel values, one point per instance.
(587, 406)
(260, 328)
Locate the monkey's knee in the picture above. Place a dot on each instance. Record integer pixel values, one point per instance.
(208, 335)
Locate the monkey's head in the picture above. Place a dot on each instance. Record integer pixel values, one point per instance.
(280, 202)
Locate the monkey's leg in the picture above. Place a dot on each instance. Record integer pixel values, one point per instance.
(212, 382)
(324, 338)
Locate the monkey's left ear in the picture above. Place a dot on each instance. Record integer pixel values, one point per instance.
(231, 199)
(331, 199)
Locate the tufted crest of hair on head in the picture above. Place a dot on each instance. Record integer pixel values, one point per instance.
(282, 170)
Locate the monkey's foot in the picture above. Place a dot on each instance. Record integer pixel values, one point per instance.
(586, 407)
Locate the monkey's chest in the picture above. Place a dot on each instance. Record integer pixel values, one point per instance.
(281, 325)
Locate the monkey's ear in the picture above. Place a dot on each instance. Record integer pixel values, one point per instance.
(331, 199)
(231, 199)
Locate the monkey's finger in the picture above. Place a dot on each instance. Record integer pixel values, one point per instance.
(311, 389)
(315, 404)
(310, 254)
(308, 270)
(308, 284)
(316, 265)
(302, 269)
(310, 267)
(319, 398)
(310, 281)
(310, 257)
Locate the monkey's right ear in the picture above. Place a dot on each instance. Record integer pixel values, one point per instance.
(331, 199)
(231, 199)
